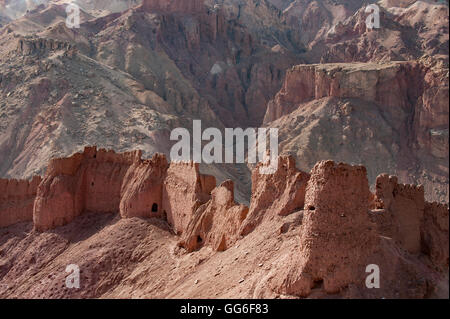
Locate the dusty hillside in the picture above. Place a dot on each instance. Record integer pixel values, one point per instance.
(135, 70)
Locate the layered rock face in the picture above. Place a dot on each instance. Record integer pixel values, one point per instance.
(217, 222)
(17, 200)
(370, 82)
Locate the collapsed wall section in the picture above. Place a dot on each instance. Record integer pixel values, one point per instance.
(281, 193)
(185, 190)
(403, 209)
(142, 188)
(217, 222)
(401, 213)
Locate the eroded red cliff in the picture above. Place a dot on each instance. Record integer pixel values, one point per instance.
(328, 110)
(100, 181)
(366, 81)
(339, 245)
(336, 225)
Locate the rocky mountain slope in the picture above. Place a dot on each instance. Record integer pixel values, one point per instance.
(135, 70)
(158, 67)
